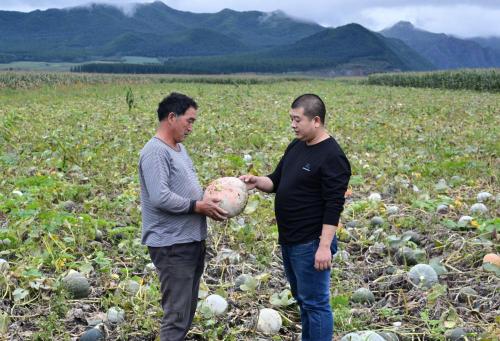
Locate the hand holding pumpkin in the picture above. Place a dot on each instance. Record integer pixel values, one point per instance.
(249, 180)
(210, 208)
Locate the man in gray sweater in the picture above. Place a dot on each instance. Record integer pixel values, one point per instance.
(174, 214)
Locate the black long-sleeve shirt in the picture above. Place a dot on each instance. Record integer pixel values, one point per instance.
(310, 183)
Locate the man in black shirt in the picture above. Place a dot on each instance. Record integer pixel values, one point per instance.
(310, 182)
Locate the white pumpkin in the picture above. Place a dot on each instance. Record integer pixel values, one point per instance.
(365, 335)
(269, 321)
(4, 265)
(484, 196)
(369, 335)
(464, 221)
(442, 209)
(115, 315)
(351, 337)
(232, 193)
(479, 208)
(393, 209)
(247, 158)
(216, 304)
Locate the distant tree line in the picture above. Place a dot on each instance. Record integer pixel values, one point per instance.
(7, 58)
(218, 65)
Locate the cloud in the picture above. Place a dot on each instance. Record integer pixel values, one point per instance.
(30, 5)
(458, 17)
(460, 20)
(127, 8)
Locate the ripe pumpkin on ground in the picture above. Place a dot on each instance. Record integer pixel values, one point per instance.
(492, 258)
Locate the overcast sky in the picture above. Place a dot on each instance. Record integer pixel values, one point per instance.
(458, 17)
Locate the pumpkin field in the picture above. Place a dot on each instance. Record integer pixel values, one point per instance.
(424, 192)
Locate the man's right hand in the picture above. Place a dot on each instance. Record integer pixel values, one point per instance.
(249, 180)
(211, 209)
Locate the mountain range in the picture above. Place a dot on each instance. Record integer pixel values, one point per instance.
(444, 51)
(154, 30)
(229, 41)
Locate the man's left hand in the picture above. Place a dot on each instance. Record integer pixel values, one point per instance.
(323, 258)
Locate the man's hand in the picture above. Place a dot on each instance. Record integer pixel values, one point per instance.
(323, 258)
(249, 180)
(211, 209)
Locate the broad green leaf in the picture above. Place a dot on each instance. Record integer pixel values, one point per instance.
(19, 294)
(252, 205)
(492, 268)
(435, 263)
(282, 299)
(4, 322)
(250, 284)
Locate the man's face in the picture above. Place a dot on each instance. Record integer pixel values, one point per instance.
(303, 126)
(183, 125)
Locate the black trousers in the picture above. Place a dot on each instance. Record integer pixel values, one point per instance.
(180, 267)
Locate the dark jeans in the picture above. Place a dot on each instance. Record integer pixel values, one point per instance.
(180, 267)
(311, 289)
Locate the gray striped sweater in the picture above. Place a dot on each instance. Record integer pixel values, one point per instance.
(168, 186)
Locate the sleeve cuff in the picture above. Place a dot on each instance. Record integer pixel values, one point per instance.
(332, 219)
(270, 176)
(192, 205)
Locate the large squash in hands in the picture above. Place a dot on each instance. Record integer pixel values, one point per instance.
(232, 193)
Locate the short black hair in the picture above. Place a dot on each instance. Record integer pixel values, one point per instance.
(313, 106)
(176, 103)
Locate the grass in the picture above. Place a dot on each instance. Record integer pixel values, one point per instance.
(71, 151)
(31, 80)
